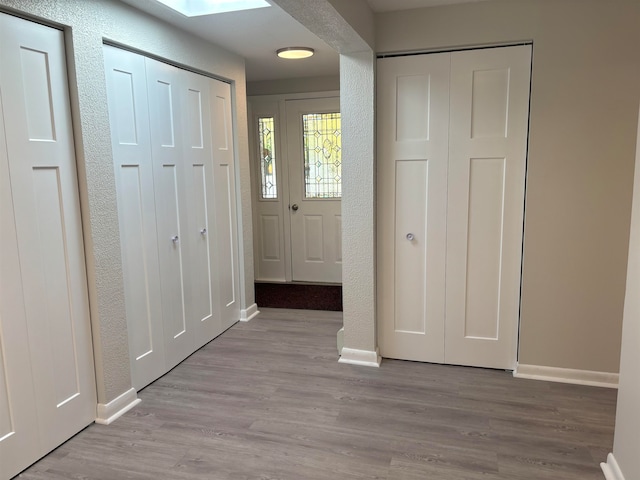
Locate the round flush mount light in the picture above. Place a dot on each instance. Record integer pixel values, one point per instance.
(293, 53)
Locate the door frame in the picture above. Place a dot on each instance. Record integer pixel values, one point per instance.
(274, 106)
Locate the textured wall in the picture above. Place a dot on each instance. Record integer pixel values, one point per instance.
(585, 91)
(358, 200)
(323, 18)
(86, 24)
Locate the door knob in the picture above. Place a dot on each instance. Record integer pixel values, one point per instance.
(410, 237)
(175, 239)
(294, 207)
(203, 231)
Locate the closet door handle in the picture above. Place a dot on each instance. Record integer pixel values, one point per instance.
(410, 237)
(203, 232)
(175, 239)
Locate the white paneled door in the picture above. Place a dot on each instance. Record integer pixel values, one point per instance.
(315, 189)
(487, 159)
(452, 130)
(131, 143)
(47, 385)
(172, 140)
(167, 146)
(224, 195)
(413, 104)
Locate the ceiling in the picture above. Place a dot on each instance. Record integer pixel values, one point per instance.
(257, 34)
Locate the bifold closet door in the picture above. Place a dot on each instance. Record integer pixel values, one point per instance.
(413, 124)
(191, 136)
(19, 442)
(131, 144)
(452, 132)
(203, 229)
(47, 358)
(487, 159)
(166, 114)
(172, 141)
(227, 265)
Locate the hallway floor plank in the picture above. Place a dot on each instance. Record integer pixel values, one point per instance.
(268, 400)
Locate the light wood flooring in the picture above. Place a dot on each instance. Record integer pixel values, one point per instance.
(268, 400)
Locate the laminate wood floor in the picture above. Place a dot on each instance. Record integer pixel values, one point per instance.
(268, 400)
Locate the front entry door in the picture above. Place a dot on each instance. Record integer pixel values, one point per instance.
(315, 188)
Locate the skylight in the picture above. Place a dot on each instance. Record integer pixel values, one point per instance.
(195, 8)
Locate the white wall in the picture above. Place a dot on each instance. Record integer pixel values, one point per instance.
(357, 107)
(585, 91)
(627, 434)
(294, 85)
(86, 24)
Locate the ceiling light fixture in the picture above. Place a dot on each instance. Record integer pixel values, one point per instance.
(294, 53)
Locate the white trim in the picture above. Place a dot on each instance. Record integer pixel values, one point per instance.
(250, 313)
(365, 358)
(567, 375)
(108, 413)
(611, 468)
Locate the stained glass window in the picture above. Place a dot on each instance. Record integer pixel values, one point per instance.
(322, 155)
(268, 187)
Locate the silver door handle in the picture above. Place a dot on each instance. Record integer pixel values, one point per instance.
(410, 237)
(294, 207)
(203, 231)
(175, 239)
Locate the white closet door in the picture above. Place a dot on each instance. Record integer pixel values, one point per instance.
(487, 158)
(48, 226)
(19, 442)
(225, 195)
(164, 86)
(413, 122)
(198, 162)
(129, 118)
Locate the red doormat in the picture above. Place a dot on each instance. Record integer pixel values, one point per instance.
(299, 296)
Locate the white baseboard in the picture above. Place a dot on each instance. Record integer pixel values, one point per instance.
(365, 358)
(611, 469)
(108, 413)
(567, 375)
(249, 314)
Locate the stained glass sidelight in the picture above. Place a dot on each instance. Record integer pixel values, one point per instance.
(322, 155)
(268, 187)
